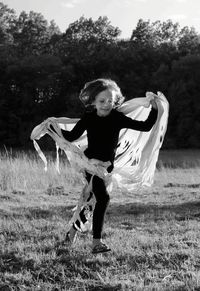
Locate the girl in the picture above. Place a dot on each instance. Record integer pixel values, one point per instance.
(103, 124)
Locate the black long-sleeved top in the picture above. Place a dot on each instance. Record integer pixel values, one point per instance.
(103, 132)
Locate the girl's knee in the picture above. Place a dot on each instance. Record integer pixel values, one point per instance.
(104, 199)
(99, 190)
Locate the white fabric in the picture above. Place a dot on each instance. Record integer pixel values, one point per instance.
(137, 152)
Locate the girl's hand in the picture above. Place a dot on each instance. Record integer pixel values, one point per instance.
(153, 97)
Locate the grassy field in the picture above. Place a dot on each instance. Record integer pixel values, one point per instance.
(154, 234)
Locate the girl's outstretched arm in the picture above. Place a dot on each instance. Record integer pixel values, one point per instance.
(76, 132)
(145, 125)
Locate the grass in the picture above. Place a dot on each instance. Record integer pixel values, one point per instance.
(154, 234)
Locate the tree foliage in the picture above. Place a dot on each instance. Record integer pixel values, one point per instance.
(85, 29)
(43, 70)
(7, 24)
(155, 34)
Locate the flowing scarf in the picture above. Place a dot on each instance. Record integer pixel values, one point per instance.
(136, 155)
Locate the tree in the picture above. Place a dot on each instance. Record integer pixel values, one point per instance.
(31, 86)
(82, 48)
(85, 37)
(33, 33)
(7, 24)
(156, 33)
(167, 35)
(87, 30)
(184, 120)
(189, 41)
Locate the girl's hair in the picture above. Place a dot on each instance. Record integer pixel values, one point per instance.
(93, 88)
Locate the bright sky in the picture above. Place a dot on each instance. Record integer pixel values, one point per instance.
(122, 13)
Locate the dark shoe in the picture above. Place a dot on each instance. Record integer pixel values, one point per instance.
(100, 248)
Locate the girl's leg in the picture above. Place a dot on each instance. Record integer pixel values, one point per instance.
(102, 201)
(71, 234)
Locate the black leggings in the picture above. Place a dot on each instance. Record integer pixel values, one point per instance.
(102, 201)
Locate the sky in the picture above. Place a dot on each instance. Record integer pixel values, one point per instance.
(121, 13)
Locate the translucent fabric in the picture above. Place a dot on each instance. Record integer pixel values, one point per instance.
(136, 155)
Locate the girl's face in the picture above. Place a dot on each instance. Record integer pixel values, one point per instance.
(104, 102)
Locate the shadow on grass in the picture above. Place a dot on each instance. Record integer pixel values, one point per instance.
(150, 211)
(32, 213)
(69, 265)
(61, 271)
(12, 262)
(178, 185)
(182, 211)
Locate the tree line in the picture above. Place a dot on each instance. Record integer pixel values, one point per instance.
(42, 71)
